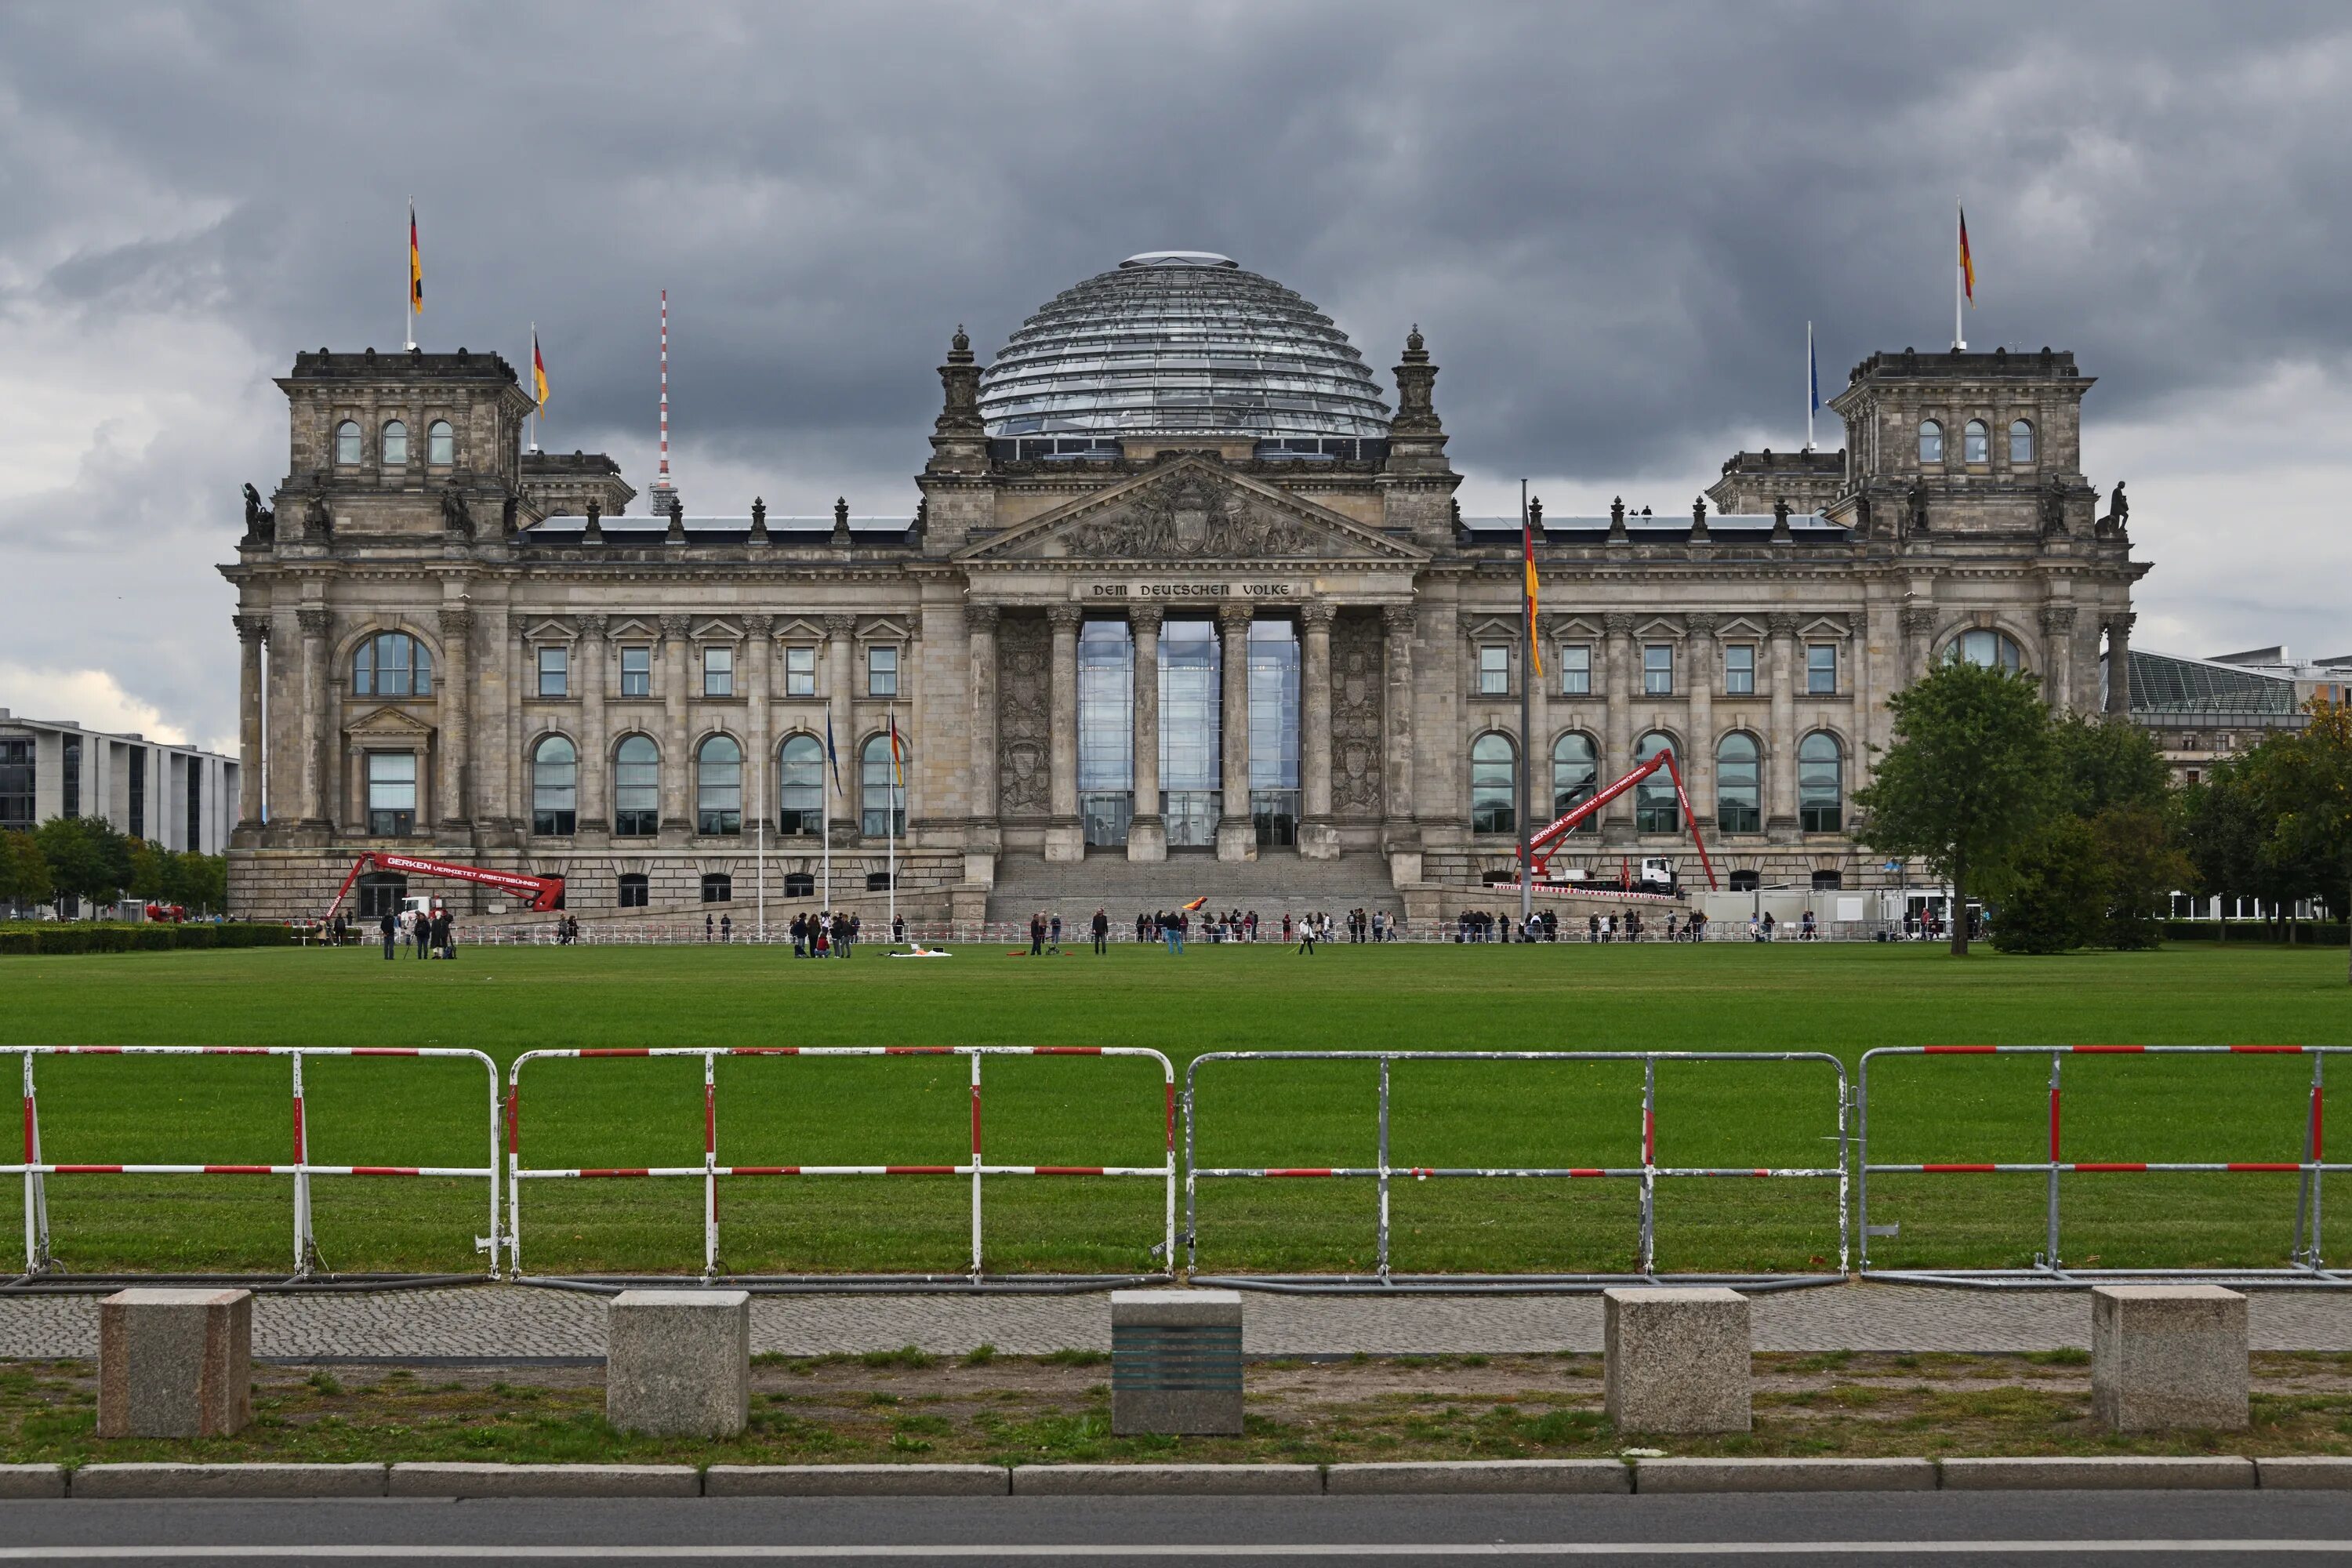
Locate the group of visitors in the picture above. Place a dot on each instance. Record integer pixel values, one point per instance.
(432, 934)
(567, 931)
(824, 934)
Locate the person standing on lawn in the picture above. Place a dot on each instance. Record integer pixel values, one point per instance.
(1102, 931)
(391, 929)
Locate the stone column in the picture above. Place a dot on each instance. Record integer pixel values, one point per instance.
(2119, 662)
(1617, 739)
(1918, 623)
(1236, 835)
(517, 814)
(595, 743)
(1317, 838)
(1780, 750)
(677, 765)
(979, 626)
(1398, 839)
(1147, 832)
(839, 651)
(1700, 657)
(1065, 837)
(454, 807)
(314, 621)
(2058, 656)
(253, 635)
(758, 781)
(1538, 740)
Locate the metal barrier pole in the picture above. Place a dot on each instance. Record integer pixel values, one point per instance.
(37, 1196)
(489, 1243)
(514, 1168)
(1382, 1255)
(2307, 1202)
(1192, 1182)
(1845, 1168)
(976, 1164)
(1862, 1166)
(305, 1244)
(2051, 1255)
(710, 1165)
(1649, 1163)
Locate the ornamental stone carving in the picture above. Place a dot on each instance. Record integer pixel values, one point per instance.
(840, 626)
(314, 622)
(1618, 625)
(1919, 621)
(591, 627)
(1702, 626)
(1191, 517)
(1781, 624)
(2057, 619)
(1064, 616)
(1024, 691)
(979, 618)
(675, 628)
(252, 628)
(1230, 615)
(1318, 615)
(1399, 619)
(759, 629)
(1357, 685)
(1145, 618)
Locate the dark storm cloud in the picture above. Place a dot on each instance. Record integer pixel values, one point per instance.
(1613, 223)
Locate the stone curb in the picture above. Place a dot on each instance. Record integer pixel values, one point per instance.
(2304, 1473)
(32, 1481)
(1395, 1478)
(1165, 1480)
(2213, 1473)
(856, 1480)
(170, 1481)
(465, 1480)
(1784, 1475)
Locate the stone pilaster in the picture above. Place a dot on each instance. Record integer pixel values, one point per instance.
(1535, 774)
(1065, 837)
(1617, 737)
(1701, 658)
(595, 742)
(758, 777)
(678, 760)
(1780, 758)
(1236, 835)
(314, 621)
(1317, 838)
(2058, 656)
(840, 653)
(979, 630)
(517, 809)
(252, 636)
(1918, 622)
(1398, 837)
(454, 791)
(1146, 831)
(2119, 628)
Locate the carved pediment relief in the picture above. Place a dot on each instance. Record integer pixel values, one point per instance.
(387, 724)
(1192, 510)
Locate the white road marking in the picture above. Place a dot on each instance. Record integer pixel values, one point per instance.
(440, 1551)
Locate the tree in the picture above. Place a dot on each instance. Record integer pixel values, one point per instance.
(2306, 781)
(2058, 893)
(202, 881)
(2224, 831)
(1967, 779)
(87, 860)
(2104, 763)
(152, 871)
(2142, 864)
(23, 873)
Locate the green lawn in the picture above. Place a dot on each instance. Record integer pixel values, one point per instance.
(1086, 1111)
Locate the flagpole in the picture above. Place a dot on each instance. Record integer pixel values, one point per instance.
(538, 409)
(1812, 378)
(1960, 278)
(1527, 767)
(890, 826)
(408, 293)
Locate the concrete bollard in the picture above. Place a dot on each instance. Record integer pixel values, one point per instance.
(174, 1364)
(1676, 1360)
(1176, 1363)
(2167, 1356)
(677, 1363)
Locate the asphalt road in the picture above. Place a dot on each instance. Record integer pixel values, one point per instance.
(2041, 1528)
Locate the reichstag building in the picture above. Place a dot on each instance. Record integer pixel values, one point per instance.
(1187, 583)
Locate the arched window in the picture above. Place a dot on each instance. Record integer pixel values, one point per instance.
(718, 787)
(395, 445)
(1821, 783)
(1655, 809)
(392, 664)
(637, 788)
(1739, 785)
(1983, 646)
(1494, 785)
(800, 787)
(1575, 774)
(1931, 441)
(1976, 443)
(347, 443)
(440, 443)
(881, 795)
(554, 788)
(2020, 441)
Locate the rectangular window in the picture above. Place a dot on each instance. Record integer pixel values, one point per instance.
(1739, 670)
(718, 672)
(392, 794)
(16, 775)
(1576, 669)
(195, 844)
(881, 672)
(70, 778)
(636, 672)
(1820, 668)
(1658, 669)
(138, 792)
(799, 672)
(635, 890)
(554, 671)
(1493, 670)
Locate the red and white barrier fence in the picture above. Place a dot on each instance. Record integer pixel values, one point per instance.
(712, 1171)
(2306, 1268)
(1649, 1173)
(36, 1170)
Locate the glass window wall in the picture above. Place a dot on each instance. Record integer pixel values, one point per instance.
(1821, 783)
(1106, 731)
(1494, 785)
(800, 787)
(637, 788)
(1191, 730)
(554, 788)
(718, 792)
(1575, 777)
(392, 794)
(1655, 809)
(1739, 785)
(1273, 732)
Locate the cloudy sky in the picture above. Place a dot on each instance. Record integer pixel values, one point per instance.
(1611, 223)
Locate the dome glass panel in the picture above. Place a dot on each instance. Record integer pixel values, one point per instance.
(1182, 342)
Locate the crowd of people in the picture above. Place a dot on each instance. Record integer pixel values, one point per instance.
(429, 934)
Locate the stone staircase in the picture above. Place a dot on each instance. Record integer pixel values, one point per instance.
(1277, 883)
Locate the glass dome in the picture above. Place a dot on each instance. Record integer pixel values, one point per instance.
(1180, 342)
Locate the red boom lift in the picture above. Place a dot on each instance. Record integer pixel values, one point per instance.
(1548, 840)
(545, 892)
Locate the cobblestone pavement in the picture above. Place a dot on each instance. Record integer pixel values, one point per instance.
(495, 1322)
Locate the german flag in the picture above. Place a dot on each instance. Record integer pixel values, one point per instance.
(1196, 904)
(1968, 266)
(416, 267)
(1527, 546)
(538, 369)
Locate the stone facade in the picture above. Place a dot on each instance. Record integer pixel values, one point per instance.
(721, 652)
